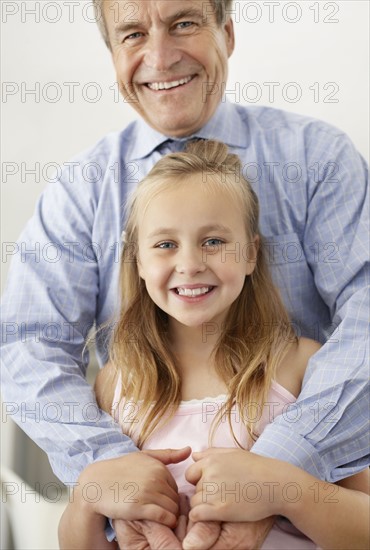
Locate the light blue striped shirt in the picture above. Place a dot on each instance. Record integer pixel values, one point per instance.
(312, 187)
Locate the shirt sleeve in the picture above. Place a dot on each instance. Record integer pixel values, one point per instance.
(48, 308)
(326, 431)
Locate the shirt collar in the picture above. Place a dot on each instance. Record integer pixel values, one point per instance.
(226, 125)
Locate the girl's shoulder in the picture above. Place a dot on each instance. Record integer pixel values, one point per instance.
(292, 368)
(104, 386)
(306, 348)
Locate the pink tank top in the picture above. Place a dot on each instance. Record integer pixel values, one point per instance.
(192, 422)
(191, 425)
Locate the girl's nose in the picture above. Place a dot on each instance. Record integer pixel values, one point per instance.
(190, 262)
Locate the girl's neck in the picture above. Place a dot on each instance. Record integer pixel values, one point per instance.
(199, 341)
(193, 349)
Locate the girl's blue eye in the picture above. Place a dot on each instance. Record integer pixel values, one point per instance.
(213, 242)
(165, 245)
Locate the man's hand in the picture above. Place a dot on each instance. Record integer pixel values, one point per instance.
(212, 535)
(149, 535)
(145, 535)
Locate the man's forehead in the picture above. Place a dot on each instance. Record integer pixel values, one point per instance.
(134, 11)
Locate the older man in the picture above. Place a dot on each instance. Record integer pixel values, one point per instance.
(171, 62)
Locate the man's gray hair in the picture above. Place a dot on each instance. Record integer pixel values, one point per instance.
(221, 9)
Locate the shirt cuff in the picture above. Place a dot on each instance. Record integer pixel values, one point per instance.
(282, 443)
(109, 530)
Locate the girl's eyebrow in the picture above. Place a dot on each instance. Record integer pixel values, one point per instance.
(204, 229)
(215, 227)
(124, 27)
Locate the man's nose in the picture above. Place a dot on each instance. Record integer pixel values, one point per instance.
(161, 53)
(190, 261)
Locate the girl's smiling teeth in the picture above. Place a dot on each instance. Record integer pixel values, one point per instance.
(192, 292)
(168, 85)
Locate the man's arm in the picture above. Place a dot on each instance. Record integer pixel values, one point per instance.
(49, 305)
(326, 433)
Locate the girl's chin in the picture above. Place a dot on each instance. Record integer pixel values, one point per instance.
(206, 325)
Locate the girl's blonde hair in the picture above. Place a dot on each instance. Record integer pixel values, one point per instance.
(256, 331)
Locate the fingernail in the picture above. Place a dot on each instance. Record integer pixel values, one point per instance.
(190, 542)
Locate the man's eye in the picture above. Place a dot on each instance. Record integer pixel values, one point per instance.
(165, 244)
(213, 242)
(133, 36)
(184, 24)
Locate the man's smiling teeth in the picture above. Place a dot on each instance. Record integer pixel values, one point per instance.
(193, 291)
(168, 85)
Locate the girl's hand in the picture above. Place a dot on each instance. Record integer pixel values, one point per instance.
(234, 485)
(133, 487)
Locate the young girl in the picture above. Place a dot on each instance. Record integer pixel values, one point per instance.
(203, 354)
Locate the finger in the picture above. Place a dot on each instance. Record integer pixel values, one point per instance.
(184, 504)
(198, 455)
(194, 472)
(169, 456)
(130, 536)
(205, 512)
(162, 501)
(200, 497)
(243, 535)
(202, 536)
(153, 512)
(182, 522)
(172, 483)
(234, 536)
(267, 525)
(164, 488)
(190, 525)
(159, 536)
(165, 484)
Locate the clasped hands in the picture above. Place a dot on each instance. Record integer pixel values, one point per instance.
(168, 522)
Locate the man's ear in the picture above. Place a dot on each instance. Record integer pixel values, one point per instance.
(252, 253)
(230, 36)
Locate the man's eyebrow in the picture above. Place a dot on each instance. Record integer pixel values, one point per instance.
(127, 26)
(204, 229)
(186, 12)
(123, 27)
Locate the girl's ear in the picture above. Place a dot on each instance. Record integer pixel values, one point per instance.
(252, 252)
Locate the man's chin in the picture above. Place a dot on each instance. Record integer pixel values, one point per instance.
(175, 126)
